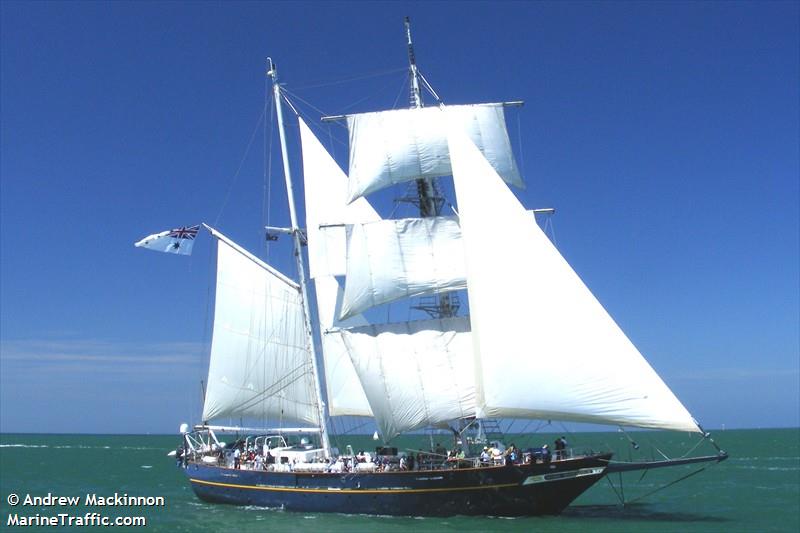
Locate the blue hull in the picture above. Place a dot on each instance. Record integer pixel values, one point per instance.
(519, 490)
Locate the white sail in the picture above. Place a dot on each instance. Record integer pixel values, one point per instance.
(544, 346)
(326, 204)
(345, 393)
(260, 361)
(327, 208)
(393, 259)
(415, 374)
(390, 147)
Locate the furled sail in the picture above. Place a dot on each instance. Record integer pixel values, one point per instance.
(260, 360)
(415, 374)
(544, 346)
(326, 206)
(393, 259)
(390, 147)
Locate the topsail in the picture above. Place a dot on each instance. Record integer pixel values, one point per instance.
(393, 259)
(391, 147)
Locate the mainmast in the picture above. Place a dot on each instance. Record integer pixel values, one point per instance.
(416, 97)
(301, 271)
(428, 198)
(425, 186)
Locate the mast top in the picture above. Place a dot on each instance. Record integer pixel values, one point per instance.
(416, 97)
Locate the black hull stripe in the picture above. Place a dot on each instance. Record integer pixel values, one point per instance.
(352, 491)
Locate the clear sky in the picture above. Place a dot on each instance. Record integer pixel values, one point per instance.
(666, 135)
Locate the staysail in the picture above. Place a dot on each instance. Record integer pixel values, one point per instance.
(345, 393)
(260, 363)
(391, 147)
(415, 374)
(327, 212)
(393, 259)
(327, 208)
(544, 346)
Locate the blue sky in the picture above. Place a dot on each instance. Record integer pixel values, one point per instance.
(666, 135)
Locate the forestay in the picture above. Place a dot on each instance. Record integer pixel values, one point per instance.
(326, 206)
(393, 259)
(544, 346)
(260, 362)
(415, 374)
(390, 147)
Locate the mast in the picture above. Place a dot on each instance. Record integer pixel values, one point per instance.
(416, 97)
(425, 187)
(301, 271)
(441, 306)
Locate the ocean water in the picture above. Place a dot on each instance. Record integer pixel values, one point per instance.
(756, 489)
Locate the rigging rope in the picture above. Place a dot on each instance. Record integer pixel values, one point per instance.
(286, 93)
(239, 168)
(701, 441)
(275, 389)
(549, 223)
(621, 494)
(402, 90)
(380, 91)
(690, 474)
(340, 81)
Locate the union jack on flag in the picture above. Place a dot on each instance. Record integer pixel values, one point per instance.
(177, 241)
(184, 232)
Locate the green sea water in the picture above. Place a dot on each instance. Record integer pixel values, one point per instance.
(757, 489)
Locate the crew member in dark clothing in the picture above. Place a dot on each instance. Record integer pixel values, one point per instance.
(563, 447)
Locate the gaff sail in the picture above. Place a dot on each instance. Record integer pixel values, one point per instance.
(260, 363)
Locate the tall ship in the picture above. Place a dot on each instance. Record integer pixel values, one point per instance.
(535, 343)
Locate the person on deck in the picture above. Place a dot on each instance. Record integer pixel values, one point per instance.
(485, 456)
(497, 455)
(512, 454)
(545, 454)
(461, 458)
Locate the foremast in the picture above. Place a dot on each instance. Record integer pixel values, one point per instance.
(298, 255)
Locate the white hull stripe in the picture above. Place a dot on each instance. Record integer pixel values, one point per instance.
(558, 476)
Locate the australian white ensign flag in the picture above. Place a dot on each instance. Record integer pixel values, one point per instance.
(174, 241)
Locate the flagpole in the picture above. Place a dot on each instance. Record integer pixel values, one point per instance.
(301, 271)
